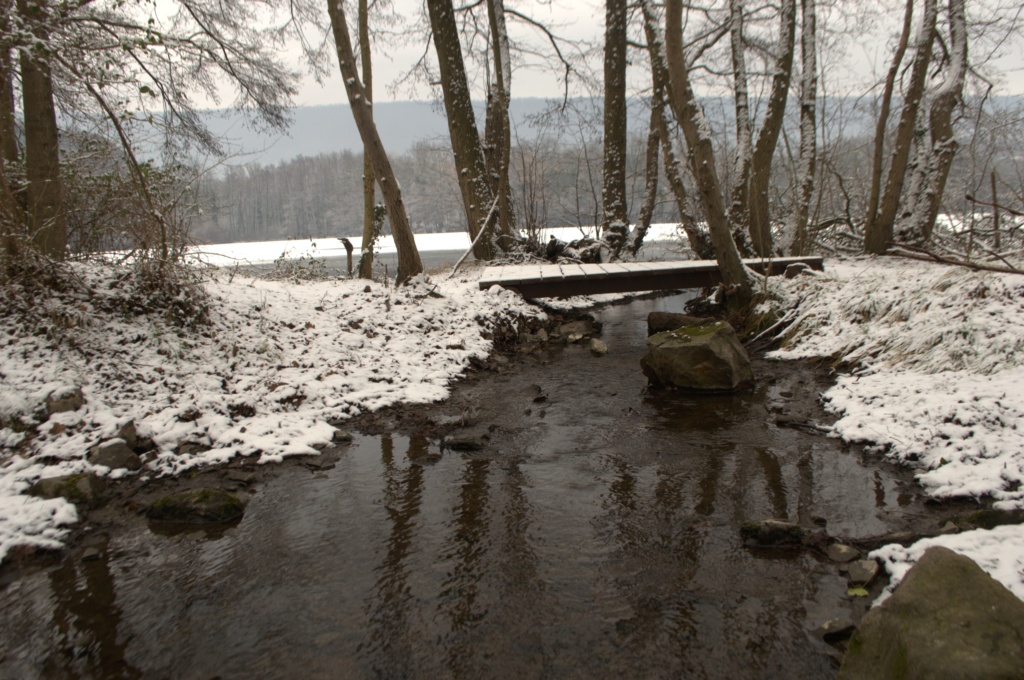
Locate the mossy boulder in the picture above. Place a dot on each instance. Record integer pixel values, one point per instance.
(197, 506)
(947, 619)
(700, 358)
(81, 489)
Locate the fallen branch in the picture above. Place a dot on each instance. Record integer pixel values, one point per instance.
(487, 225)
(914, 253)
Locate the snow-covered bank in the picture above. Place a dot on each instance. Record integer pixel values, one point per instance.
(938, 383)
(276, 361)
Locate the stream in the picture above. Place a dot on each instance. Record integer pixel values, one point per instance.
(596, 534)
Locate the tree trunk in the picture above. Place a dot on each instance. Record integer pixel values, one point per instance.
(768, 136)
(883, 121)
(503, 128)
(808, 130)
(469, 156)
(44, 193)
(995, 213)
(699, 243)
(613, 197)
(697, 133)
(738, 208)
(639, 232)
(943, 143)
(877, 240)
(409, 264)
(369, 197)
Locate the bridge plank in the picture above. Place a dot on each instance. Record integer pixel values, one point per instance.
(551, 280)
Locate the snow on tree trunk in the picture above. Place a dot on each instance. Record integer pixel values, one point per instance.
(613, 199)
(466, 148)
(369, 182)
(503, 73)
(943, 143)
(808, 131)
(44, 194)
(700, 148)
(768, 136)
(880, 126)
(744, 135)
(877, 239)
(409, 263)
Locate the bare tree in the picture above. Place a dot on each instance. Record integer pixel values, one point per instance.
(45, 214)
(502, 128)
(616, 216)
(369, 181)
(477, 195)
(876, 240)
(808, 130)
(409, 263)
(700, 148)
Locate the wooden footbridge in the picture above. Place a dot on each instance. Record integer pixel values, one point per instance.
(556, 280)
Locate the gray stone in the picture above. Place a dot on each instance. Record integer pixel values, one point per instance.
(542, 335)
(65, 401)
(86, 489)
(598, 348)
(659, 322)
(947, 620)
(949, 528)
(341, 437)
(772, 533)
(706, 358)
(862, 572)
(582, 328)
(197, 506)
(191, 448)
(837, 552)
(115, 454)
(91, 554)
(129, 434)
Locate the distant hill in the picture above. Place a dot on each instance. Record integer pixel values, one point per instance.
(324, 129)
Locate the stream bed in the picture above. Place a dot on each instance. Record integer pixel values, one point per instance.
(595, 534)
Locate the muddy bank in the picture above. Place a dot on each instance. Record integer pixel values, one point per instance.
(554, 518)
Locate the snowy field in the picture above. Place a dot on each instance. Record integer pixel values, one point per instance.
(938, 379)
(938, 384)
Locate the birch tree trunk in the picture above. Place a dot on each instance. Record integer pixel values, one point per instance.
(768, 136)
(883, 121)
(738, 208)
(876, 240)
(409, 263)
(943, 143)
(808, 129)
(369, 197)
(503, 73)
(613, 198)
(639, 231)
(469, 156)
(44, 193)
(700, 149)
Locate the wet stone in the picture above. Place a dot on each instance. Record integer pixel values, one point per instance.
(197, 506)
(598, 348)
(128, 433)
(466, 442)
(86, 489)
(581, 328)
(341, 437)
(191, 448)
(772, 533)
(835, 630)
(862, 572)
(837, 552)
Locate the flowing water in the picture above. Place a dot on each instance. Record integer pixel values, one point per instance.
(595, 535)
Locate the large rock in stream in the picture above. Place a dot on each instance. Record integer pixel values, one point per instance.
(700, 358)
(947, 619)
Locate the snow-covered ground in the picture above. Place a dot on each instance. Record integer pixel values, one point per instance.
(276, 362)
(938, 384)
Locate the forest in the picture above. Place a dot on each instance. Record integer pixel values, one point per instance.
(739, 120)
